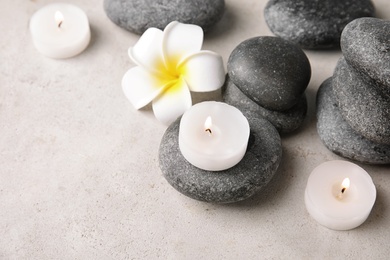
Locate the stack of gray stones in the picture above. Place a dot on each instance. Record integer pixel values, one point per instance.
(268, 76)
(353, 107)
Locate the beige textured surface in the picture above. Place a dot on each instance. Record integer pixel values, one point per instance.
(79, 176)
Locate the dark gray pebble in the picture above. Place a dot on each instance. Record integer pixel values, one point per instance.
(364, 104)
(271, 71)
(240, 182)
(138, 15)
(365, 43)
(339, 137)
(314, 24)
(284, 121)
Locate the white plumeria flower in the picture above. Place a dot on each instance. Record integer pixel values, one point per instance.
(170, 64)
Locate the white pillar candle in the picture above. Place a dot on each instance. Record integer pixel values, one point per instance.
(213, 136)
(60, 30)
(339, 195)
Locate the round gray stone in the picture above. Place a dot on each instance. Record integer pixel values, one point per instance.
(365, 43)
(314, 24)
(139, 15)
(284, 121)
(364, 103)
(240, 182)
(339, 137)
(271, 71)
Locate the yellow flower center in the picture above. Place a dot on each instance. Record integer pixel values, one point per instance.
(170, 75)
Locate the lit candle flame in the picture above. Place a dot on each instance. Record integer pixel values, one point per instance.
(345, 185)
(59, 18)
(208, 124)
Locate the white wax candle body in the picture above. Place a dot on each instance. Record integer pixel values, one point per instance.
(220, 148)
(60, 39)
(333, 208)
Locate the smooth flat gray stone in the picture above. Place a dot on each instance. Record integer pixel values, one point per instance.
(271, 71)
(240, 182)
(139, 15)
(364, 104)
(339, 137)
(314, 24)
(365, 43)
(284, 121)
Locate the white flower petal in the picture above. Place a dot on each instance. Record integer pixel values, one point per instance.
(179, 41)
(172, 103)
(147, 52)
(203, 71)
(141, 87)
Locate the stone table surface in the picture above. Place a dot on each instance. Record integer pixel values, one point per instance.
(79, 175)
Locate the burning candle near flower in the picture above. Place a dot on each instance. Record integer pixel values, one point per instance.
(213, 136)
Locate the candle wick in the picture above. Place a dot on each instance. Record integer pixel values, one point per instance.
(209, 130)
(59, 24)
(340, 196)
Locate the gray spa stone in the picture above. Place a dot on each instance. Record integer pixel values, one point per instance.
(271, 71)
(365, 43)
(284, 121)
(314, 24)
(339, 137)
(240, 182)
(364, 103)
(138, 15)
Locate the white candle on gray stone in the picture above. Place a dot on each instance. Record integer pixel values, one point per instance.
(213, 136)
